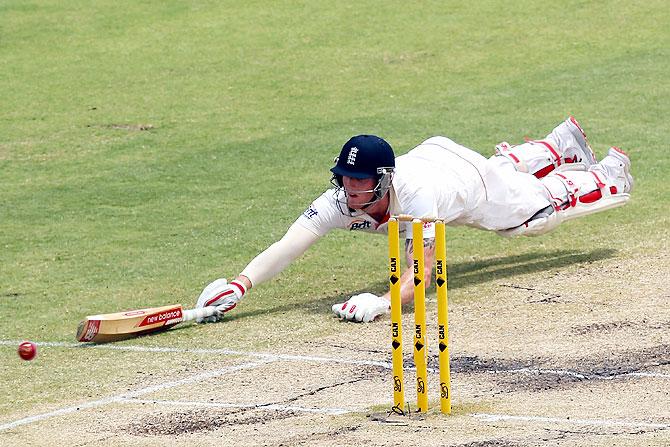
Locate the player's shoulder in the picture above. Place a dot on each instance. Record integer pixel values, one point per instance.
(422, 149)
(322, 214)
(328, 198)
(328, 211)
(441, 152)
(324, 204)
(436, 142)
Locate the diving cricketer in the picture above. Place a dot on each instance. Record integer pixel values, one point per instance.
(522, 190)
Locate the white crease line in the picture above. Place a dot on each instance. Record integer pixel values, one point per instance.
(318, 359)
(561, 372)
(131, 394)
(557, 372)
(642, 374)
(260, 355)
(275, 407)
(598, 422)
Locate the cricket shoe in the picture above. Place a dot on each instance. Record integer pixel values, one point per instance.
(617, 166)
(572, 143)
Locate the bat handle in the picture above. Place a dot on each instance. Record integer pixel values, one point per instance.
(202, 312)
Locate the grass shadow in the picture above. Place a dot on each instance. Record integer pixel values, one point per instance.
(486, 270)
(463, 274)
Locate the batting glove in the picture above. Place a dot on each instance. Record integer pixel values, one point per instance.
(362, 308)
(222, 295)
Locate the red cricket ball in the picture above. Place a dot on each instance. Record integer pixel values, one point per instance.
(27, 350)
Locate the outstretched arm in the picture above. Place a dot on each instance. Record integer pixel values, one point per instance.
(407, 278)
(266, 265)
(278, 256)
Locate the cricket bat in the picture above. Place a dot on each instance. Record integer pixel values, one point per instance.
(122, 325)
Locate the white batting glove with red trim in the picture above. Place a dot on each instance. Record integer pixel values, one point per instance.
(222, 295)
(364, 307)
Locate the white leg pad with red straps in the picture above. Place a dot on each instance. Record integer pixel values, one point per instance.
(606, 202)
(538, 158)
(576, 193)
(577, 166)
(572, 194)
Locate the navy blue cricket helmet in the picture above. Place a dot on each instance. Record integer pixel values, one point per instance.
(366, 156)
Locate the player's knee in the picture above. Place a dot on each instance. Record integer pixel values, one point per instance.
(542, 222)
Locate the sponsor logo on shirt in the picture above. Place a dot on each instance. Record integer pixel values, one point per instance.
(360, 225)
(310, 212)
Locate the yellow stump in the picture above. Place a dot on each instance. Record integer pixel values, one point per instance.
(442, 316)
(420, 318)
(396, 314)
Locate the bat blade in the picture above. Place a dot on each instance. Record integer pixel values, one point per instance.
(122, 325)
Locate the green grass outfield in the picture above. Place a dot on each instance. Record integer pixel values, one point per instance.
(244, 106)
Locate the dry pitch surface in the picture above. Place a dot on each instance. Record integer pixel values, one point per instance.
(573, 356)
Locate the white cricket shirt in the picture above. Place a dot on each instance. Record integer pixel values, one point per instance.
(440, 178)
